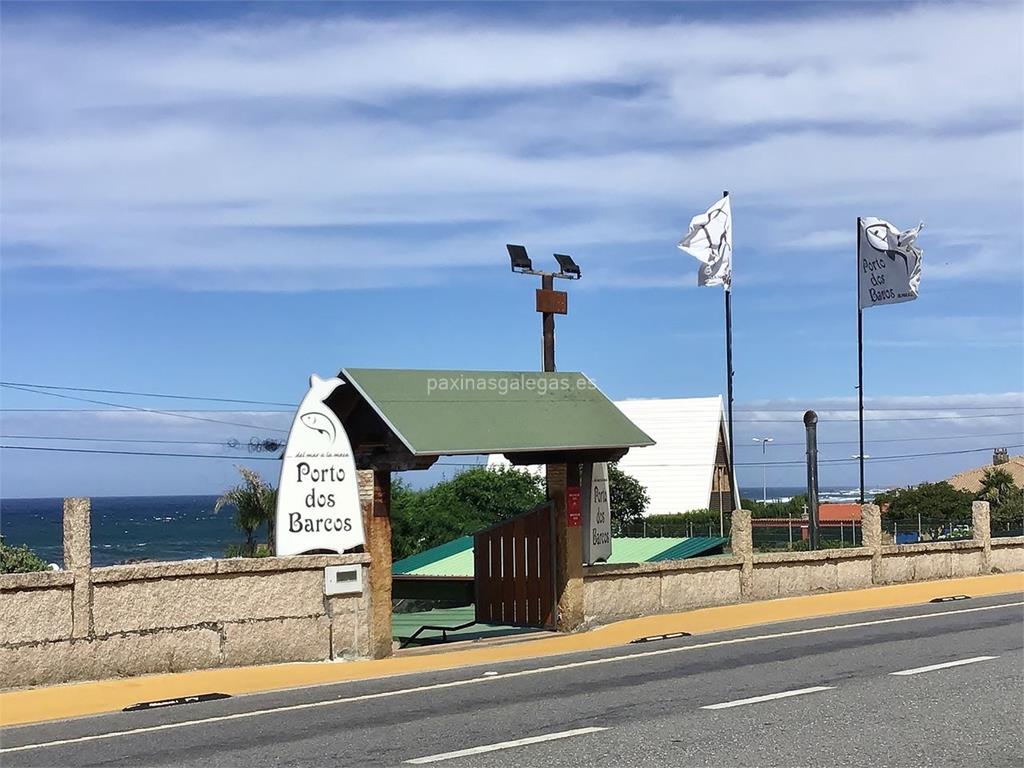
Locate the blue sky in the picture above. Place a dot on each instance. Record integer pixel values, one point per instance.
(219, 199)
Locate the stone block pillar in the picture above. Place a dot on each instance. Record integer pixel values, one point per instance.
(568, 549)
(981, 525)
(871, 537)
(742, 539)
(78, 560)
(375, 501)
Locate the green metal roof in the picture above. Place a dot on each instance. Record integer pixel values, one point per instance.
(482, 412)
(455, 558)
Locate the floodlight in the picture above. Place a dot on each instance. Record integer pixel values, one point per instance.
(520, 261)
(567, 266)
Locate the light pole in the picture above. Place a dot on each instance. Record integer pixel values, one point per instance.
(549, 301)
(764, 466)
(861, 457)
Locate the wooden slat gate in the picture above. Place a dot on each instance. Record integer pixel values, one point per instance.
(514, 570)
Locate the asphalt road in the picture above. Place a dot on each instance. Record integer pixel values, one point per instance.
(824, 695)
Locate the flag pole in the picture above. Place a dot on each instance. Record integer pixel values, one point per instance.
(860, 367)
(729, 371)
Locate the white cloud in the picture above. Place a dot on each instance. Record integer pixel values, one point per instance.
(351, 153)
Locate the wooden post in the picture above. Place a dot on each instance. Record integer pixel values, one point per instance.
(568, 548)
(548, 327)
(375, 500)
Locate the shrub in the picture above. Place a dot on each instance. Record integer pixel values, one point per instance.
(19, 559)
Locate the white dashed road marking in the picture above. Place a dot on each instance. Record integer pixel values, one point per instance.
(932, 667)
(502, 745)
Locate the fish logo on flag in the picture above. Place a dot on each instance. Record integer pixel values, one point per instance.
(710, 242)
(889, 263)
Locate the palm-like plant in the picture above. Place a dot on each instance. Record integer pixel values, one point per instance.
(255, 503)
(996, 487)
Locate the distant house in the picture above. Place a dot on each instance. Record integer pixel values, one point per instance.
(838, 513)
(971, 479)
(689, 466)
(839, 522)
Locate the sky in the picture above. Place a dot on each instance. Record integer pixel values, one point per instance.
(219, 199)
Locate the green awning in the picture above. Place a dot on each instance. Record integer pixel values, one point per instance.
(436, 413)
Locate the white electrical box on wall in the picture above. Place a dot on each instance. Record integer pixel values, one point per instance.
(343, 580)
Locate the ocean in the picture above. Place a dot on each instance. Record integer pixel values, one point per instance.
(126, 528)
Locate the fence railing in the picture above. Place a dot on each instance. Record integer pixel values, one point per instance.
(771, 534)
(681, 530)
(1007, 528)
(925, 530)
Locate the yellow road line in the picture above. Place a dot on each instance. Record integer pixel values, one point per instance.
(79, 699)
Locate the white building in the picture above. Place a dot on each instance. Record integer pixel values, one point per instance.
(688, 467)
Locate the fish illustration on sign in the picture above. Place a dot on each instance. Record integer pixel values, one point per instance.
(319, 423)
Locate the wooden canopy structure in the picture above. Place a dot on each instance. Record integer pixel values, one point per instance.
(399, 420)
(406, 419)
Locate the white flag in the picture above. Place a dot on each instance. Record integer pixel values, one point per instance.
(889, 268)
(710, 241)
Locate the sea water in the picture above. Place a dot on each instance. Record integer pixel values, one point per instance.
(125, 528)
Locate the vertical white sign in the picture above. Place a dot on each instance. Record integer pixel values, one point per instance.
(597, 514)
(318, 495)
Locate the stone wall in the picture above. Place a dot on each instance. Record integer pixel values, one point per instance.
(84, 623)
(1008, 554)
(613, 592)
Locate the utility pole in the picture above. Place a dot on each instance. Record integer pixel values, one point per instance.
(811, 425)
(764, 466)
(549, 301)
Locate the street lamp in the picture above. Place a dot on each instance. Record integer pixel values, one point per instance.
(549, 301)
(764, 466)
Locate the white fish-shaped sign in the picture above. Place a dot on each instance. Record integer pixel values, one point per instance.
(318, 495)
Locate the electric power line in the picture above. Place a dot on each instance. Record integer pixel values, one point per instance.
(896, 439)
(235, 443)
(184, 414)
(176, 414)
(143, 394)
(229, 443)
(826, 409)
(134, 453)
(794, 462)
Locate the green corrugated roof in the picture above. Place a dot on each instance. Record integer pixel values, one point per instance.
(456, 557)
(481, 412)
(690, 547)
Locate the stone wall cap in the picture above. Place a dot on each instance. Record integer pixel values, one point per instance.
(36, 580)
(846, 553)
(210, 566)
(931, 546)
(154, 570)
(628, 569)
(293, 563)
(1007, 541)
